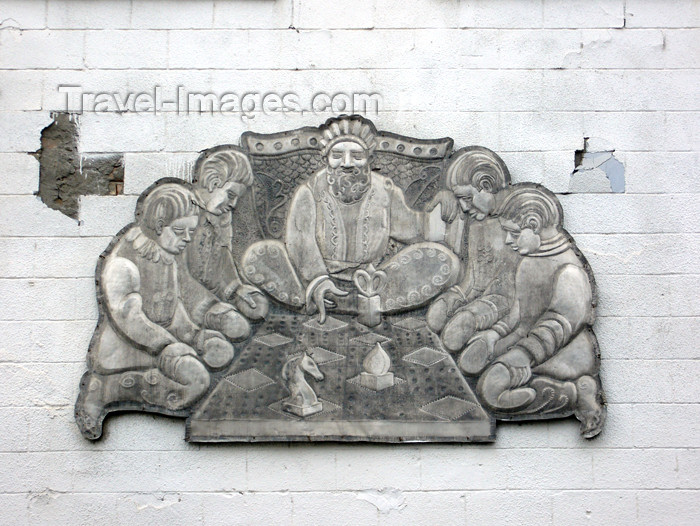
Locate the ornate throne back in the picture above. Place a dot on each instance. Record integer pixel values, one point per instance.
(282, 161)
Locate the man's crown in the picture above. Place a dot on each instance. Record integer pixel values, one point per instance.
(348, 128)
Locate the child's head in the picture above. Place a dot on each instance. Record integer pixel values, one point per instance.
(475, 175)
(529, 216)
(169, 216)
(221, 178)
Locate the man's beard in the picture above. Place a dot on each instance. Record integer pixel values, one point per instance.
(349, 185)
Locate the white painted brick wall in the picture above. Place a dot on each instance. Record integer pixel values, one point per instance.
(528, 78)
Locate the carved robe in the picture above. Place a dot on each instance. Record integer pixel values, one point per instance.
(137, 326)
(209, 257)
(552, 313)
(325, 236)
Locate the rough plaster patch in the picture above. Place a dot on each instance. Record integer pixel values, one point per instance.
(44, 497)
(65, 175)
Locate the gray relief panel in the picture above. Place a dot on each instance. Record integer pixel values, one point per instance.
(343, 283)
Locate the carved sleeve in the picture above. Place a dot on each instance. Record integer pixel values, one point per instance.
(121, 284)
(196, 298)
(300, 238)
(210, 261)
(231, 280)
(182, 325)
(569, 310)
(406, 223)
(487, 310)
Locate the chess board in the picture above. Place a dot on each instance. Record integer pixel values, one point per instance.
(430, 400)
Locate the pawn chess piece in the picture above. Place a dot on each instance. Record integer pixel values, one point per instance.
(376, 375)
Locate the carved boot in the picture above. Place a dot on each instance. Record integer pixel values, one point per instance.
(459, 330)
(155, 389)
(224, 318)
(553, 397)
(495, 389)
(590, 409)
(216, 352)
(475, 358)
(90, 408)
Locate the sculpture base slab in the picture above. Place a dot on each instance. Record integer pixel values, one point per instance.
(376, 382)
(338, 431)
(303, 410)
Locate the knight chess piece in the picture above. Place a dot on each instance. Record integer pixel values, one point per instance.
(302, 400)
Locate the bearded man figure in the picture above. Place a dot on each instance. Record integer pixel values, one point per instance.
(340, 223)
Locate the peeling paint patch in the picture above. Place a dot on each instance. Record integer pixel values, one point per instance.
(143, 501)
(65, 174)
(385, 500)
(596, 169)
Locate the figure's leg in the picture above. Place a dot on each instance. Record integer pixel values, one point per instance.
(576, 359)
(566, 383)
(443, 308)
(578, 363)
(416, 275)
(179, 381)
(214, 350)
(479, 314)
(266, 265)
(224, 318)
(496, 388)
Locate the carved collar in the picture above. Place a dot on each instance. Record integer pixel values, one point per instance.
(148, 248)
(553, 246)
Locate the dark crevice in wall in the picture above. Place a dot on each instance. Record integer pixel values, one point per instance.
(65, 174)
(597, 170)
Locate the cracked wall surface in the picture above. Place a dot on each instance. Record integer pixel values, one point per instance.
(596, 169)
(527, 79)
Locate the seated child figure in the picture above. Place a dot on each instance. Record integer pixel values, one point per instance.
(479, 180)
(146, 352)
(222, 176)
(542, 357)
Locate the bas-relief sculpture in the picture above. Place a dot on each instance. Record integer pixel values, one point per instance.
(340, 283)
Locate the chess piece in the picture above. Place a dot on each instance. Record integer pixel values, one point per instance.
(303, 400)
(376, 375)
(369, 284)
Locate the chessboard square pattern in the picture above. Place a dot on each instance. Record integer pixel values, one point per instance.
(250, 380)
(273, 339)
(370, 338)
(410, 324)
(449, 407)
(322, 356)
(425, 356)
(331, 324)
